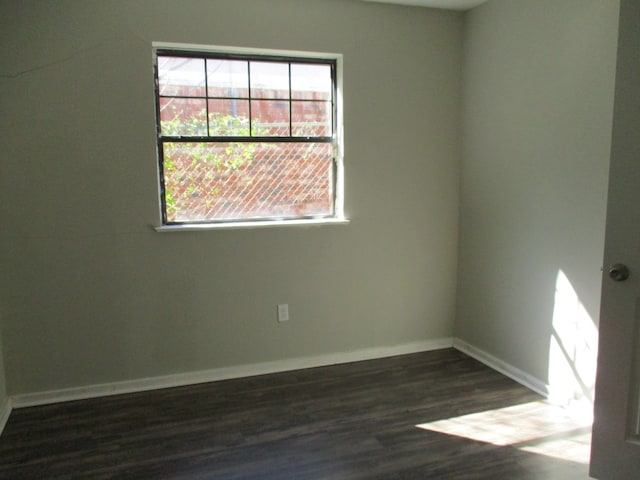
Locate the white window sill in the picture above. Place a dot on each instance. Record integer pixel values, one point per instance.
(199, 227)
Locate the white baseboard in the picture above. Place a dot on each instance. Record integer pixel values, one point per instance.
(506, 369)
(5, 411)
(225, 373)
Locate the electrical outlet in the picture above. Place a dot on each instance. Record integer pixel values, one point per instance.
(283, 312)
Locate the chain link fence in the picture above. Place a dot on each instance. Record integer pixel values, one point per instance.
(243, 180)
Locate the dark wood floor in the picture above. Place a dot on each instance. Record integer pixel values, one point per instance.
(352, 421)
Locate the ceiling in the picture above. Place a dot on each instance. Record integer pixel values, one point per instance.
(448, 4)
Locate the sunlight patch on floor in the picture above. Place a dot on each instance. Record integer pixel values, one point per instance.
(536, 427)
(575, 447)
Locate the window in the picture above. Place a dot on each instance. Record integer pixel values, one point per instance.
(245, 137)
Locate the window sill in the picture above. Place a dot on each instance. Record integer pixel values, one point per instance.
(243, 225)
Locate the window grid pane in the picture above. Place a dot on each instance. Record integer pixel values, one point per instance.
(269, 80)
(228, 118)
(183, 116)
(310, 82)
(179, 76)
(270, 118)
(227, 78)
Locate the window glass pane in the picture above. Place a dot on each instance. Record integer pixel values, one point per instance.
(311, 82)
(269, 80)
(311, 119)
(232, 180)
(229, 117)
(228, 78)
(183, 116)
(270, 118)
(181, 76)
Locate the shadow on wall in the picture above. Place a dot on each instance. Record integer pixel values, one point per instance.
(573, 350)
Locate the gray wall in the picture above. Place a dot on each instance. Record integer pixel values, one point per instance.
(3, 383)
(538, 80)
(90, 293)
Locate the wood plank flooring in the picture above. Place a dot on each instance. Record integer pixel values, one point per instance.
(351, 421)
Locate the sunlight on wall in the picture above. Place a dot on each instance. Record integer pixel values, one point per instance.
(535, 427)
(573, 350)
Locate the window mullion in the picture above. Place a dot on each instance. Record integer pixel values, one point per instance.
(250, 95)
(290, 105)
(256, 139)
(206, 95)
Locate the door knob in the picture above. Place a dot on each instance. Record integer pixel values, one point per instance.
(619, 272)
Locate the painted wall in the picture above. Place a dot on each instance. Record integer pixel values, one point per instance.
(91, 294)
(3, 384)
(538, 80)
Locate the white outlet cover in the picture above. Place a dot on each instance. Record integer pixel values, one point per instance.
(283, 312)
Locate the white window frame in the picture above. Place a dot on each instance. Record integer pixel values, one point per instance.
(338, 216)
